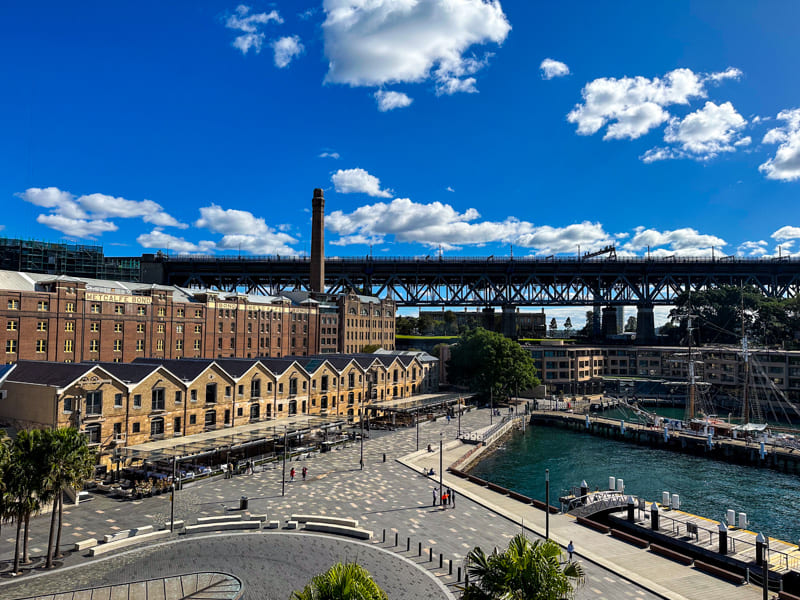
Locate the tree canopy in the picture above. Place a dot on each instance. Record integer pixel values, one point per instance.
(348, 581)
(485, 361)
(525, 571)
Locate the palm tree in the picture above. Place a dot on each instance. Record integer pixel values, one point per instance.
(70, 461)
(524, 571)
(25, 485)
(348, 581)
(5, 464)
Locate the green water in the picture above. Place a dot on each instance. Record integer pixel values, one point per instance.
(706, 487)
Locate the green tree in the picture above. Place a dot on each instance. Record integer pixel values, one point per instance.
(568, 326)
(370, 348)
(406, 325)
(25, 480)
(553, 327)
(485, 361)
(348, 581)
(5, 474)
(524, 571)
(630, 326)
(71, 462)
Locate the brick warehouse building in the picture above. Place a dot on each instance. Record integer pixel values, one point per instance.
(66, 319)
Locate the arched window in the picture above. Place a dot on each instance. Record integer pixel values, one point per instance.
(255, 388)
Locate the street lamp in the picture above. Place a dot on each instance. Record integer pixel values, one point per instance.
(283, 476)
(547, 504)
(441, 463)
(361, 427)
(459, 418)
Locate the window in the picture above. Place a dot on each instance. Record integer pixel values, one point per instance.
(140, 345)
(293, 386)
(197, 344)
(193, 395)
(162, 311)
(93, 434)
(69, 326)
(140, 328)
(117, 400)
(179, 328)
(41, 345)
(198, 329)
(160, 328)
(119, 309)
(117, 327)
(219, 327)
(135, 428)
(117, 431)
(13, 305)
(255, 388)
(159, 345)
(117, 345)
(41, 326)
(69, 307)
(94, 346)
(211, 393)
(137, 401)
(240, 389)
(68, 345)
(11, 346)
(158, 399)
(280, 388)
(11, 326)
(192, 419)
(141, 311)
(198, 312)
(95, 308)
(94, 326)
(43, 305)
(255, 411)
(94, 402)
(176, 427)
(178, 344)
(211, 417)
(178, 397)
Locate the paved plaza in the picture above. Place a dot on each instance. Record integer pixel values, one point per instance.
(386, 495)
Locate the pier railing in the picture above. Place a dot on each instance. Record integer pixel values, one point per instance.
(595, 502)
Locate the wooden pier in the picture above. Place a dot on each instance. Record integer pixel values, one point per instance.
(731, 450)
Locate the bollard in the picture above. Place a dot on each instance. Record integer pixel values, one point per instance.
(458, 577)
(723, 539)
(654, 516)
(760, 543)
(243, 503)
(450, 568)
(441, 560)
(631, 508)
(383, 538)
(419, 549)
(408, 544)
(396, 539)
(430, 554)
(384, 457)
(584, 489)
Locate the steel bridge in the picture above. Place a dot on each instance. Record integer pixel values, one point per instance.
(484, 282)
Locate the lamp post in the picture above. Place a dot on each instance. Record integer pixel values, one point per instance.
(441, 464)
(491, 404)
(416, 420)
(283, 476)
(172, 498)
(459, 419)
(547, 504)
(361, 426)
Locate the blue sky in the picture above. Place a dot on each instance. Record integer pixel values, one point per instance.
(462, 126)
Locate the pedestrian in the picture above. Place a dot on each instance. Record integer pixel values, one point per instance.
(291, 474)
(453, 498)
(305, 472)
(449, 496)
(448, 418)
(570, 550)
(435, 493)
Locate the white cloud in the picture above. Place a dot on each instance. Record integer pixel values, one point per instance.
(244, 231)
(242, 20)
(684, 242)
(786, 232)
(450, 189)
(333, 155)
(351, 181)
(388, 100)
(729, 73)
(745, 141)
(758, 248)
(566, 240)
(656, 154)
(706, 132)
(79, 228)
(553, 68)
(375, 42)
(157, 239)
(632, 106)
(286, 48)
(785, 165)
(86, 216)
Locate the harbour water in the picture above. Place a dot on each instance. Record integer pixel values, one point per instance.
(706, 487)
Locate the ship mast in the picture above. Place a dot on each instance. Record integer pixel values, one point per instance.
(745, 356)
(692, 386)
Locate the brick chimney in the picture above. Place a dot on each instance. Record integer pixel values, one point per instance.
(318, 242)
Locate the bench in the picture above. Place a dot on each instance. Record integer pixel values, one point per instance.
(593, 524)
(85, 545)
(477, 480)
(273, 524)
(325, 519)
(217, 526)
(121, 535)
(716, 571)
(541, 506)
(362, 534)
(631, 539)
(178, 524)
(129, 541)
(671, 554)
(519, 497)
(219, 519)
(261, 518)
(497, 488)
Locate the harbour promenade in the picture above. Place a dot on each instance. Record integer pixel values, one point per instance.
(390, 495)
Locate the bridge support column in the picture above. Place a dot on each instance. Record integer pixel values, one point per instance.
(597, 330)
(510, 321)
(609, 321)
(488, 318)
(645, 324)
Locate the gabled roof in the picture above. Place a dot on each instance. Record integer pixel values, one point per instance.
(236, 367)
(310, 363)
(5, 371)
(52, 374)
(278, 366)
(129, 372)
(341, 362)
(186, 369)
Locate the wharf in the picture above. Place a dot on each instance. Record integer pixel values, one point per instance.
(727, 449)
